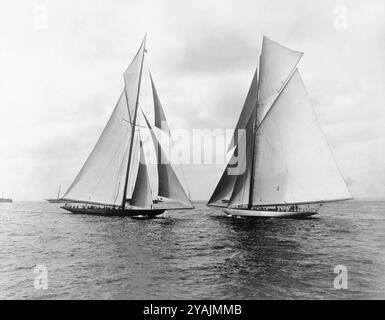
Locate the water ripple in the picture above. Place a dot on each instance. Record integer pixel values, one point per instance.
(191, 255)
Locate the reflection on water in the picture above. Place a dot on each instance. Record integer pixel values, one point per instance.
(194, 254)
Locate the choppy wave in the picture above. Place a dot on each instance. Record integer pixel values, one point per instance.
(194, 254)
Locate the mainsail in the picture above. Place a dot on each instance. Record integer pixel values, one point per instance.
(276, 65)
(101, 178)
(288, 160)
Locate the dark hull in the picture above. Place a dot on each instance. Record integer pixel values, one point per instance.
(56, 201)
(5, 200)
(145, 213)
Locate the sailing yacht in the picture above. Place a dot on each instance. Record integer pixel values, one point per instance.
(115, 178)
(281, 164)
(57, 200)
(5, 200)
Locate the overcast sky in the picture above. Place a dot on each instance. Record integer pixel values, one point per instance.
(62, 63)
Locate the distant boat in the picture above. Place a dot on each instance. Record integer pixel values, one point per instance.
(5, 200)
(114, 179)
(285, 168)
(57, 200)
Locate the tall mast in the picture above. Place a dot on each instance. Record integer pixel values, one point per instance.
(255, 127)
(58, 193)
(133, 128)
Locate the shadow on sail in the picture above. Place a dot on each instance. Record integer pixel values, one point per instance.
(114, 180)
(290, 168)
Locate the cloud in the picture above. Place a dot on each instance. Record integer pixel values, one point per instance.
(58, 85)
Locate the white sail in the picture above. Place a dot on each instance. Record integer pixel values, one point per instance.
(141, 196)
(101, 178)
(293, 163)
(248, 107)
(229, 179)
(276, 64)
(160, 117)
(131, 80)
(169, 185)
(235, 183)
(241, 192)
(226, 183)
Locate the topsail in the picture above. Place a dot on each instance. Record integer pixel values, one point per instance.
(160, 117)
(276, 65)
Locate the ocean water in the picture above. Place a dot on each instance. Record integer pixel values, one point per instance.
(196, 254)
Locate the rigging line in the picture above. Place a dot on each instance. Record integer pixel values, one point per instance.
(136, 125)
(274, 103)
(327, 142)
(283, 83)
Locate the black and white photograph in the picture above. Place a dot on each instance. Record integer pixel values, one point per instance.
(206, 150)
